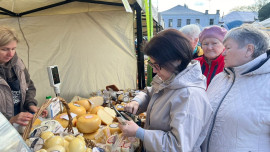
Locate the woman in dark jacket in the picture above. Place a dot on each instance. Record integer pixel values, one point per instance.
(17, 90)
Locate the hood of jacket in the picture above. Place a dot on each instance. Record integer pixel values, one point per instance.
(259, 65)
(6, 69)
(190, 77)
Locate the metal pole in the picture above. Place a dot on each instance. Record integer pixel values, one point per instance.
(140, 55)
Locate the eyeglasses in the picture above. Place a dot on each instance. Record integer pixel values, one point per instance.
(154, 65)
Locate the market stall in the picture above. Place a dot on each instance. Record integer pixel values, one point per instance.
(92, 44)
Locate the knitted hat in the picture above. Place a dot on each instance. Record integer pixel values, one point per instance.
(213, 32)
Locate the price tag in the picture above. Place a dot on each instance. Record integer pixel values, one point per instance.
(127, 6)
(90, 102)
(66, 116)
(55, 108)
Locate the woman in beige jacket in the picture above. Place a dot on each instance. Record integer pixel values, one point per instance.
(176, 105)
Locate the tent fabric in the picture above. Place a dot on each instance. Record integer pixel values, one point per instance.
(92, 50)
(19, 6)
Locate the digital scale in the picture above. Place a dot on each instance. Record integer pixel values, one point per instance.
(56, 106)
(54, 78)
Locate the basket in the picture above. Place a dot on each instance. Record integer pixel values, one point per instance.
(40, 110)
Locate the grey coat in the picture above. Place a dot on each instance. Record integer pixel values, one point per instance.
(177, 112)
(28, 90)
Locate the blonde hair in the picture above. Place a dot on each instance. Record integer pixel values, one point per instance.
(7, 35)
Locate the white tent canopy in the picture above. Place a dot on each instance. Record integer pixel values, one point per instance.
(92, 44)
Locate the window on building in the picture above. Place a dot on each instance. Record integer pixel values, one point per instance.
(197, 21)
(188, 21)
(211, 22)
(170, 22)
(179, 22)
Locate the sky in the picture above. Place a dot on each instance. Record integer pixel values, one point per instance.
(201, 5)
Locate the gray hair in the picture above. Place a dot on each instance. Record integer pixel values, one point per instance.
(248, 34)
(191, 30)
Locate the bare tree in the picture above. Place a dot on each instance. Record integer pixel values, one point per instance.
(258, 4)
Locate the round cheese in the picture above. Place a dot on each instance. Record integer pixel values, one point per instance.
(88, 123)
(66, 144)
(85, 103)
(53, 141)
(77, 109)
(56, 148)
(46, 135)
(119, 107)
(95, 110)
(77, 145)
(114, 128)
(69, 138)
(64, 122)
(88, 150)
(42, 150)
(90, 136)
(37, 122)
(120, 97)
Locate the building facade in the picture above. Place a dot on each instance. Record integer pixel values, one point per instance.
(180, 16)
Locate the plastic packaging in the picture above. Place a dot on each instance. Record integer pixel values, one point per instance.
(11, 140)
(54, 108)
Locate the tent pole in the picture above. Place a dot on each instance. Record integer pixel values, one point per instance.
(140, 55)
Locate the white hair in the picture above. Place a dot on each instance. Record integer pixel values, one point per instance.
(248, 34)
(191, 30)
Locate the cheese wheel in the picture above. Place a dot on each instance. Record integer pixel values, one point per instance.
(66, 144)
(85, 103)
(120, 97)
(53, 141)
(106, 118)
(80, 137)
(123, 103)
(36, 123)
(88, 123)
(46, 135)
(96, 101)
(77, 109)
(77, 145)
(119, 107)
(56, 148)
(42, 150)
(69, 138)
(64, 122)
(114, 128)
(91, 136)
(95, 110)
(110, 111)
(98, 136)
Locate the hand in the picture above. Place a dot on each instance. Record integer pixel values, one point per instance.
(22, 118)
(132, 107)
(35, 109)
(129, 130)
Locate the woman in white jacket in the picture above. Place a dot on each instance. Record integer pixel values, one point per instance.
(177, 106)
(240, 95)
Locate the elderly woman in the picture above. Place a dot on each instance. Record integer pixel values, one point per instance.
(16, 88)
(177, 108)
(192, 31)
(212, 62)
(240, 96)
